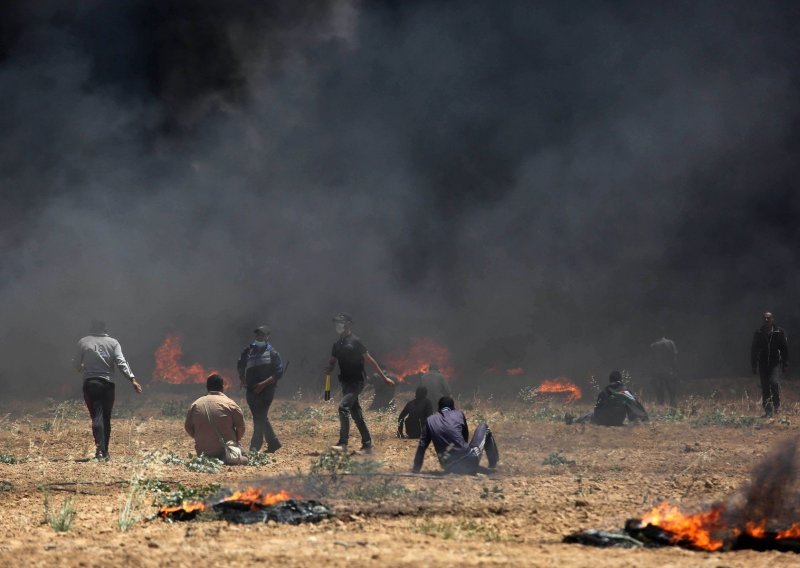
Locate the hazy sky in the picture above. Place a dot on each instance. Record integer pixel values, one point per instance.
(535, 184)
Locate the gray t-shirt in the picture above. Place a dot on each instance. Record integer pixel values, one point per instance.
(97, 357)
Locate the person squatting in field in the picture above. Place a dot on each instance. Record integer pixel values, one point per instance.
(414, 414)
(214, 420)
(614, 403)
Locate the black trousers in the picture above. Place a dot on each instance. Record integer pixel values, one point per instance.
(468, 460)
(349, 406)
(665, 382)
(99, 397)
(770, 389)
(262, 429)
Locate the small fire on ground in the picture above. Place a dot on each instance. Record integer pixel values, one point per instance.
(170, 369)
(418, 357)
(708, 530)
(253, 498)
(560, 385)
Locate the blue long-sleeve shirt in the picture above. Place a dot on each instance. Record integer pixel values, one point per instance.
(448, 431)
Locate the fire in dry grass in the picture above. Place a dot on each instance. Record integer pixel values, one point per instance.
(560, 385)
(416, 360)
(169, 368)
(251, 498)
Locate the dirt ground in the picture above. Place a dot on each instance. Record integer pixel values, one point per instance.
(516, 516)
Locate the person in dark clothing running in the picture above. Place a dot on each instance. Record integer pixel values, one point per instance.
(98, 355)
(350, 353)
(614, 404)
(769, 357)
(260, 368)
(448, 431)
(665, 369)
(414, 414)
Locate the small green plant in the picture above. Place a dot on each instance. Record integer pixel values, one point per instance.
(169, 494)
(556, 459)
(287, 411)
(203, 464)
(60, 520)
(8, 459)
(334, 463)
(495, 492)
(171, 458)
(384, 489)
(47, 426)
(260, 459)
(173, 409)
(458, 530)
(6, 486)
(129, 515)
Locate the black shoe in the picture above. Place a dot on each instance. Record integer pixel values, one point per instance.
(366, 447)
(274, 447)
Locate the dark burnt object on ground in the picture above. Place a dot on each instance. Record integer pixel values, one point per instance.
(639, 534)
(248, 511)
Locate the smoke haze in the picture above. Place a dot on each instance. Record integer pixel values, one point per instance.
(540, 185)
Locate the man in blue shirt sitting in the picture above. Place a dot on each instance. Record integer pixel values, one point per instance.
(448, 431)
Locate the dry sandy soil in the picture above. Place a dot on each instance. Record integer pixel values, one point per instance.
(516, 516)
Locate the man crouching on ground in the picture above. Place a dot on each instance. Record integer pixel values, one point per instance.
(448, 431)
(214, 420)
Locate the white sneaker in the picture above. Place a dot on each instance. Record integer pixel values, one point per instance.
(339, 449)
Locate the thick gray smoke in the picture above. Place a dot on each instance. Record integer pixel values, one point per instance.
(534, 184)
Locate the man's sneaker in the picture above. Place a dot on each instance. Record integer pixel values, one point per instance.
(366, 448)
(339, 448)
(274, 447)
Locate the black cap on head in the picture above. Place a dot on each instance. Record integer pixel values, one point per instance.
(98, 326)
(343, 317)
(421, 392)
(215, 383)
(446, 402)
(614, 377)
(262, 330)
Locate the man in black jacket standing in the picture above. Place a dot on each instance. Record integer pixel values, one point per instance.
(769, 357)
(350, 353)
(260, 368)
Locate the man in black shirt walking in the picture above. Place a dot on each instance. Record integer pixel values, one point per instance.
(350, 353)
(769, 357)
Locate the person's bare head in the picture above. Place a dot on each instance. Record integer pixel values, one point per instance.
(768, 320)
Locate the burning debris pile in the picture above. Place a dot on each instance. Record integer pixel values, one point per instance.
(417, 359)
(251, 506)
(560, 388)
(762, 516)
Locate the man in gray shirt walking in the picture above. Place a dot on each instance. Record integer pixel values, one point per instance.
(98, 355)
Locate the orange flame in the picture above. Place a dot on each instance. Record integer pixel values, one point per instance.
(169, 368)
(560, 385)
(420, 355)
(701, 530)
(252, 496)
